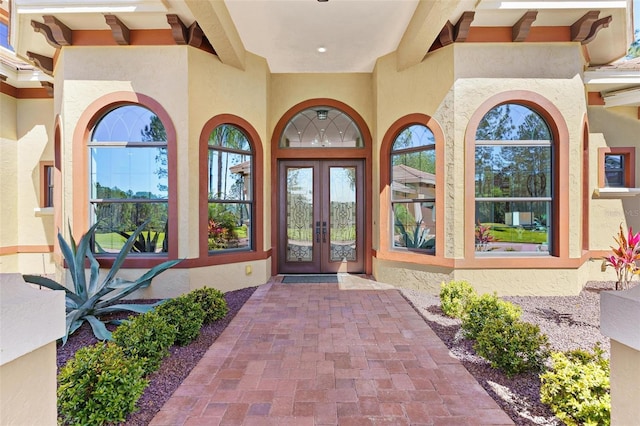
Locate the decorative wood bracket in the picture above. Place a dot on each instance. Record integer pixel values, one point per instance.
(446, 35)
(61, 33)
(118, 29)
(195, 35)
(45, 63)
(582, 27)
(178, 29)
(48, 86)
(461, 30)
(520, 30)
(44, 29)
(597, 26)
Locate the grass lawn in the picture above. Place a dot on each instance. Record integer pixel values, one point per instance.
(503, 233)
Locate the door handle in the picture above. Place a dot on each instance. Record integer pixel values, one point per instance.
(324, 232)
(317, 232)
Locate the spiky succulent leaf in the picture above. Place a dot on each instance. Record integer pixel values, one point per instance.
(98, 327)
(51, 284)
(131, 307)
(94, 285)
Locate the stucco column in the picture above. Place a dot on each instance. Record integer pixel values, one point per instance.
(619, 319)
(31, 321)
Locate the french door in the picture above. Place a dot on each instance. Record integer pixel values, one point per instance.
(321, 207)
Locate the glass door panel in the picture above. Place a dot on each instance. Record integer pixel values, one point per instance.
(321, 221)
(299, 210)
(342, 214)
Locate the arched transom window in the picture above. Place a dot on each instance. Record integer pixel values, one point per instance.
(230, 189)
(513, 182)
(413, 189)
(321, 127)
(129, 180)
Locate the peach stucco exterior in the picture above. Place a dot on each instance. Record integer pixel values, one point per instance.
(452, 86)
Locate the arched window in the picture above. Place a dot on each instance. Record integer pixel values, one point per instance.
(413, 188)
(321, 127)
(129, 180)
(513, 182)
(230, 190)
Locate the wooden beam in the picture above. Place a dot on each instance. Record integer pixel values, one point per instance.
(178, 29)
(61, 33)
(45, 63)
(597, 26)
(48, 87)
(582, 27)
(44, 29)
(446, 34)
(195, 35)
(520, 30)
(461, 30)
(119, 30)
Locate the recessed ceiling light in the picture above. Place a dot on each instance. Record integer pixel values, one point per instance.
(322, 49)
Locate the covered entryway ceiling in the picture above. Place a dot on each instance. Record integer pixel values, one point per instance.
(354, 32)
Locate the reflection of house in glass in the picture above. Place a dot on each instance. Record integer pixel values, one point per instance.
(420, 187)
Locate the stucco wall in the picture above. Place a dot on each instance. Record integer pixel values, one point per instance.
(450, 85)
(192, 86)
(25, 141)
(611, 127)
(28, 388)
(8, 165)
(216, 89)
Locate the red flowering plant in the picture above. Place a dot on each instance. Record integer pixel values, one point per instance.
(483, 237)
(625, 258)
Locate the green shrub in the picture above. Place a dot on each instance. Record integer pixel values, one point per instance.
(186, 315)
(483, 308)
(512, 346)
(212, 301)
(576, 387)
(455, 296)
(148, 337)
(99, 385)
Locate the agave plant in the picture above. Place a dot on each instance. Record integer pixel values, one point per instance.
(91, 298)
(419, 238)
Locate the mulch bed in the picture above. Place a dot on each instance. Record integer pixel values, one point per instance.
(174, 369)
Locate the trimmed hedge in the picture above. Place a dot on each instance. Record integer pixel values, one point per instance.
(99, 385)
(576, 387)
(148, 336)
(455, 296)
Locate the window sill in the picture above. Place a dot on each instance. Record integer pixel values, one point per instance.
(615, 192)
(43, 211)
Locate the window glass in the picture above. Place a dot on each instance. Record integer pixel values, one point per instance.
(321, 127)
(614, 170)
(513, 182)
(230, 189)
(129, 180)
(413, 189)
(4, 36)
(48, 186)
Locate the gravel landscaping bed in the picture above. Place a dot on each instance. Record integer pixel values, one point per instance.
(570, 322)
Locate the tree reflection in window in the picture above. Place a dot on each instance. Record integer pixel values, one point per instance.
(513, 177)
(413, 189)
(230, 189)
(129, 180)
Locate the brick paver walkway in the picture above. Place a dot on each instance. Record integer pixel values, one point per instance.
(312, 354)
